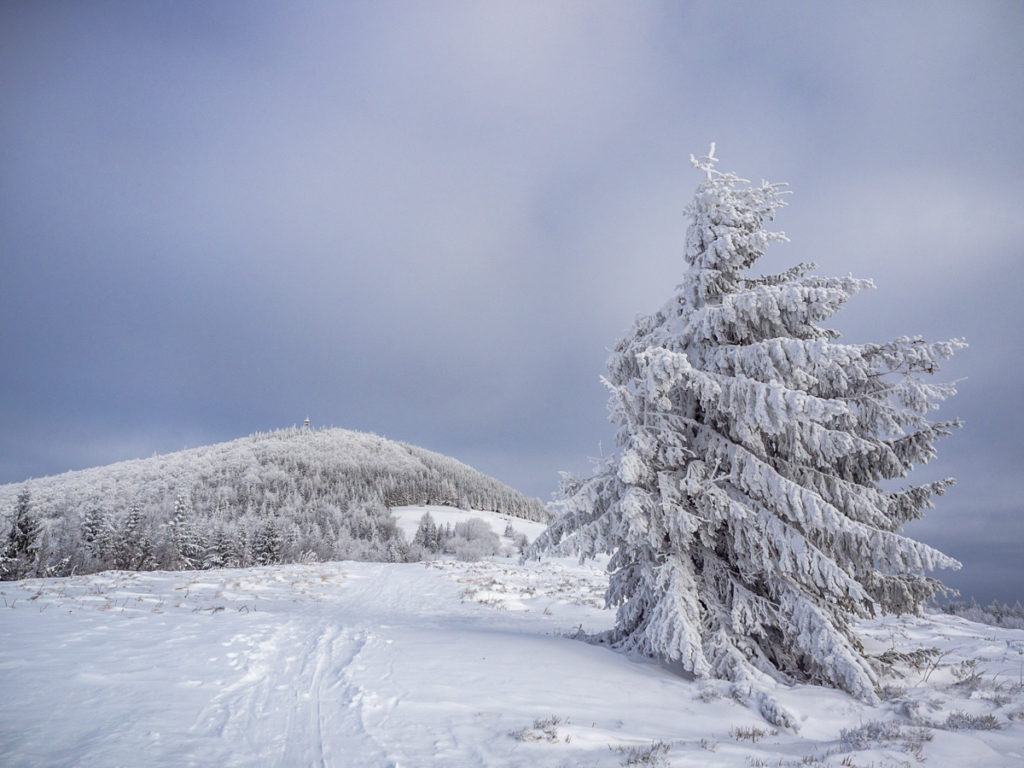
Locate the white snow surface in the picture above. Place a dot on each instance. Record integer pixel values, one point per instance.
(443, 664)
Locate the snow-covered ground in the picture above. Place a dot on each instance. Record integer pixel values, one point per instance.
(445, 664)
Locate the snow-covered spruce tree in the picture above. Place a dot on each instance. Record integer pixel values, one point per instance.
(99, 536)
(426, 534)
(186, 537)
(134, 548)
(19, 558)
(268, 544)
(747, 514)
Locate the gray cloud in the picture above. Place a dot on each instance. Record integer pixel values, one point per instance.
(432, 222)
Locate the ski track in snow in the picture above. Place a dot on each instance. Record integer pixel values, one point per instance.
(376, 665)
(309, 684)
(298, 700)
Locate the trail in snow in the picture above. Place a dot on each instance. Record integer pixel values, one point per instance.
(294, 702)
(304, 696)
(323, 665)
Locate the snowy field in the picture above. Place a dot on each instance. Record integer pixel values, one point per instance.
(446, 664)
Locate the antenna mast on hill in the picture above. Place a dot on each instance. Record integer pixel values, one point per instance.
(305, 424)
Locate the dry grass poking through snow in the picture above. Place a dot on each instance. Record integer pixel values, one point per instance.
(528, 587)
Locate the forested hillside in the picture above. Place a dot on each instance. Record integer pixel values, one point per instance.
(272, 497)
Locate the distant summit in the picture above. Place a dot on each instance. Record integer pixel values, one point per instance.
(288, 495)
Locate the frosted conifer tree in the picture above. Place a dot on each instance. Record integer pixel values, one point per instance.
(268, 544)
(188, 542)
(19, 558)
(746, 514)
(98, 534)
(217, 550)
(134, 548)
(426, 533)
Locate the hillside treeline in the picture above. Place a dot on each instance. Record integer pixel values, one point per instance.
(273, 497)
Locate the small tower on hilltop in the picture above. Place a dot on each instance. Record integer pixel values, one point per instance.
(305, 424)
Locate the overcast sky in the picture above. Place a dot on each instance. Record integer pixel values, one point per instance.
(432, 220)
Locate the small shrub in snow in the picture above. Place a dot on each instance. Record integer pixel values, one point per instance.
(967, 673)
(918, 659)
(542, 730)
(655, 755)
(892, 692)
(880, 733)
(707, 694)
(963, 721)
(776, 714)
(749, 733)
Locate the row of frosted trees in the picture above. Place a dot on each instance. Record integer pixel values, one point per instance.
(187, 540)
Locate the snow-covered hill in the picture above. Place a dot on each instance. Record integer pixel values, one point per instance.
(273, 497)
(445, 664)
